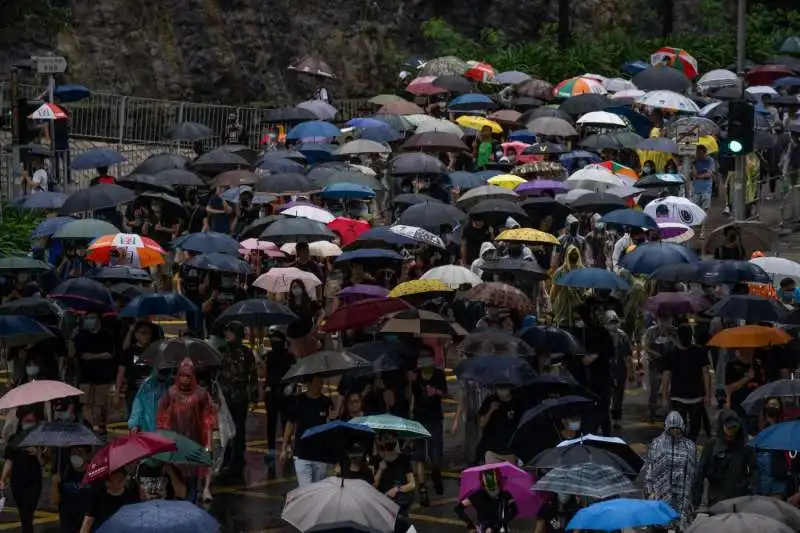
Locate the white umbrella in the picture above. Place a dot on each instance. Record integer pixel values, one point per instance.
(602, 118)
(317, 249)
(668, 100)
(599, 78)
(595, 178)
(680, 232)
(615, 85)
(416, 120)
(572, 195)
(762, 90)
(442, 126)
(323, 110)
(678, 209)
(453, 276)
(312, 213)
(624, 191)
(717, 78)
(778, 268)
(363, 146)
(279, 280)
(708, 108)
(418, 234)
(628, 93)
(363, 169)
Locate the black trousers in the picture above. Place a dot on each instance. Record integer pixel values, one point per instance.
(26, 497)
(276, 408)
(234, 453)
(694, 417)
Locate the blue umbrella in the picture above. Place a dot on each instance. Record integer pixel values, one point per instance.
(465, 180)
(84, 294)
(632, 68)
(719, 272)
(382, 234)
(787, 81)
(328, 443)
(159, 304)
(207, 242)
(347, 191)
(592, 278)
(784, 436)
(313, 128)
(471, 101)
(571, 159)
(279, 164)
(623, 513)
(368, 253)
(17, 330)
(71, 93)
(489, 370)
(523, 136)
(630, 217)
(316, 152)
(219, 262)
(96, 158)
(648, 258)
(366, 123)
(160, 516)
(641, 124)
(386, 134)
(40, 200)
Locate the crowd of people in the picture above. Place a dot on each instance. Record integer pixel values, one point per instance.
(545, 252)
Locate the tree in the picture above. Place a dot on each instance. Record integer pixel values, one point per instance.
(667, 14)
(564, 15)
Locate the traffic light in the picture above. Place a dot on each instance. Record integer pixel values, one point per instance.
(741, 128)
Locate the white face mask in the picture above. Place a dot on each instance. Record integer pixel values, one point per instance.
(63, 415)
(76, 461)
(297, 291)
(574, 425)
(32, 370)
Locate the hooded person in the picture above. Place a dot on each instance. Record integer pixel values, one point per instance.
(564, 300)
(669, 468)
(142, 417)
(727, 462)
(486, 252)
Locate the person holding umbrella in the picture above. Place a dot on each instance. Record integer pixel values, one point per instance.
(494, 506)
(279, 360)
(394, 476)
(498, 418)
(22, 470)
(68, 491)
(108, 497)
(428, 387)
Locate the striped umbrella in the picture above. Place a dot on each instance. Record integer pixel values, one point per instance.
(480, 72)
(127, 248)
(578, 85)
(677, 58)
(620, 170)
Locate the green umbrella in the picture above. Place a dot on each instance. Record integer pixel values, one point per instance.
(188, 453)
(88, 228)
(405, 429)
(32, 266)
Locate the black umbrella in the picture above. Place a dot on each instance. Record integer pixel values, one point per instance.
(119, 273)
(620, 449)
(529, 438)
(97, 197)
(325, 364)
(313, 66)
(618, 140)
(549, 386)
(179, 177)
(330, 443)
(34, 307)
(540, 207)
(556, 408)
(217, 161)
(37, 149)
(241, 150)
(190, 131)
(288, 115)
(160, 162)
(490, 341)
(526, 102)
(384, 362)
(654, 181)
(169, 353)
(733, 93)
(661, 77)
(28, 264)
(492, 370)
(535, 88)
(218, 262)
(145, 181)
(522, 270)
(750, 308)
(598, 202)
(257, 227)
(435, 141)
(416, 163)
(497, 208)
(533, 114)
(432, 216)
(551, 340)
(169, 202)
(407, 199)
(349, 176)
(57, 435)
(128, 292)
(257, 313)
(585, 103)
(286, 183)
(678, 272)
(453, 84)
(730, 271)
(297, 230)
(578, 454)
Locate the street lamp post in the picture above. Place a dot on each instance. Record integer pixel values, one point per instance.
(739, 204)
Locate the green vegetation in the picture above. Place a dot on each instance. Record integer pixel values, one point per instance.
(712, 41)
(32, 20)
(15, 230)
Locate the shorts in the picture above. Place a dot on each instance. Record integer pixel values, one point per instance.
(703, 200)
(95, 396)
(431, 449)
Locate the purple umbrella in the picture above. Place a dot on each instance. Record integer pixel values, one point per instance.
(537, 187)
(676, 303)
(361, 290)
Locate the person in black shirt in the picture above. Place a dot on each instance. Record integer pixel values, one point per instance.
(743, 375)
(95, 350)
(220, 299)
(732, 247)
(159, 481)
(279, 361)
(68, 491)
(305, 263)
(197, 212)
(394, 476)
(494, 507)
(301, 332)
(134, 372)
(219, 212)
(427, 390)
(498, 418)
(108, 497)
(24, 470)
(473, 235)
(357, 467)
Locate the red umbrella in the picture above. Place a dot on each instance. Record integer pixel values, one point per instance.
(363, 313)
(348, 228)
(125, 450)
(766, 74)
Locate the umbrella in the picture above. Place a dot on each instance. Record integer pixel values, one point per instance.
(490, 341)
(623, 513)
(738, 522)
(453, 276)
(520, 269)
(416, 163)
(541, 186)
(675, 232)
(577, 86)
(421, 324)
(647, 258)
(339, 504)
(602, 119)
(471, 102)
(491, 370)
(484, 192)
(360, 291)
(676, 303)
(169, 353)
(235, 178)
(668, 101)
(159, 162)
(577, 454)
(630, 217)
(432, 216)
(363, 146)
(125, 450)
(145, 181)
(32, 266)
(342, 191)
(329, 443)
(659, 144)
(285, 183)
(676, 208)
(512, 479)
(750, 308)
(37, 391)
(189, 131)
(511, 77)
(159, 304)
(497, 209)
(656, 181)
(551, 340)
(40, 200)
(279, 280)
(128, 248)
(58, 435)
(257, 227)
(524, 439)
(749, 337)
(660, 77)
(279, 164)
(592, 278)
(526, 235)
(585, 103)
(297, 230)
(774, 508)
(325, 364)
(783, 436)
(586, 479)
(257, 313)
(188, 452)
(97, 197)
(119, 273)
(614, 445)
(207, 243)
(435, 141)
(782, 388)
(316, 249)
(347, 229)
(616, 140)
(441, 126)
(598, 203)
(368, 254)
(35, 307)
(160, 516)
(501, 295)
(313, 129)
(84, 294)
(313, 66)
(321, 110)
(778, 267)
(362, 313)
(404, 428)
(552, 126)
(127, 292)
(753, 235)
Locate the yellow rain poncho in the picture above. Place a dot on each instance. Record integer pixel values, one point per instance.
(565, 300)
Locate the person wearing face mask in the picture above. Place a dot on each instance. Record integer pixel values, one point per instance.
(772, 464)
(727, 463)
(159, 481)
(450, 254)
(566, 300)
(787, 293)
(142, 416)
(498, 418)
(108, 497)
(221, 298)
(394, 476)
(94, 347)
(648, 169)
(494, 507)
(570, 427)
(304, 262)
(78, 266)
(68, 491)
(134, 372)
(302, 332)
(219, 212)
(428, 387)
(743, 374)
(571, 238)
(18, 288)
(657, 340)
(670, 467)
(474, 235)
(356, 466)
(487, 253)
(22, 470)
(159, 226)
(279, 361)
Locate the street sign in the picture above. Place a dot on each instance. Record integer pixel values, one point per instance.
(687, 136)
(50, 64)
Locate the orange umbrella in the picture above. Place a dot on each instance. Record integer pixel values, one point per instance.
(126, 248)
(749, 337)
(765, 290)
(621, 170)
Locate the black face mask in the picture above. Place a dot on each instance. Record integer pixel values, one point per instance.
(277, 344)
(389, 446)
(772, 412)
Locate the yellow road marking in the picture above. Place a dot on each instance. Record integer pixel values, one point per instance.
(436, 520)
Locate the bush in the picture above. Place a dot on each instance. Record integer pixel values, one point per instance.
(712, 42)
(15, 230)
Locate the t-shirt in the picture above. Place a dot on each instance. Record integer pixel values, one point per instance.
(135, 371)
(735, 253)
(473, 238)
(396, 473)
(686, 367)
(96, 371)
(104, 505)
(27, 470)
(735, 370)
(702, 166)
(429, 408)
(225, 299)
(305, 413)
(76, 497)
(190, 281)
(39, 180)
(502, 424)
(484, 154)
(219, 223)
(160, 236)
(194, 223)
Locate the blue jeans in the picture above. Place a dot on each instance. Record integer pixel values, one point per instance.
(309, 471)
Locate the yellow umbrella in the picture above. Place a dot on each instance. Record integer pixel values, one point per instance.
(478, 123)
(527, 235)
(710, 142)
(508, 181)
(418, 286)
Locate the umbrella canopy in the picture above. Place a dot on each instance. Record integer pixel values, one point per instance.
(586, 479)
(312, 66)
(325, 364)
(490, 341)
(84, 295)
(37, 391)
(738, 523)
(125, 450)
(40, 200)
(584, 103)
(782, 388)
(35, 307)
(432, 216)
(553, 340)
(597, 202)
(362, 313)
(774, 508)
(501, 295)
(421, 324)
(160, 516)
(752, 236)
(57, 435)
(313, 129)
(491, 370)
(435, 141)
(320, 109)
(404, 428)
(159, 304)
(647, 258)
(778, 268)
(749, 337)
(160, 162)
(207, 243)
(592, 278)
(552, 126)
(297, 230)
(623, 513)
(451, 275)
(188, 452)
(97, 197)
(659, 77)
(668, 100)
(14, 264)
(676, 303)
(279, 280)
(190, 132)
(579, 454)
(750, 308)
(400, 107)
(257, 313)
(363, 146)
(169, 353)
(676, 208)
(630, 217)
(329, 443)
(97, 158)
(511, 478)
(416, 163)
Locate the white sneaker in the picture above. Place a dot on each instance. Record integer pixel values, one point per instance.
(726, 211)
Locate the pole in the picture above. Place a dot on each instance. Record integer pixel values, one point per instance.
(739, 203)
(15, 173)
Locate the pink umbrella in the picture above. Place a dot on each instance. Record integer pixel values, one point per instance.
(515, 481)
(270, 249)
(37, 391)
(424, 86)
(279, 280)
